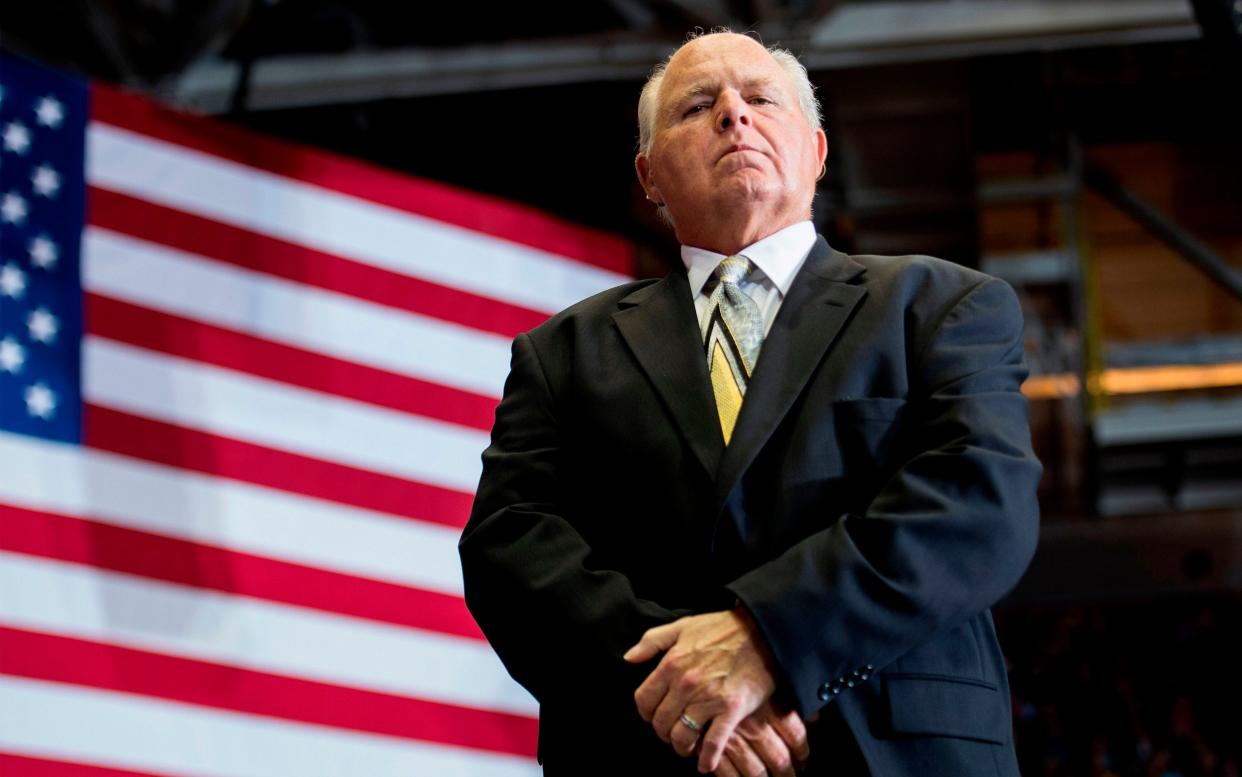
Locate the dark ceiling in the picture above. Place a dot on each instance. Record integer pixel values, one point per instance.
(568, 147)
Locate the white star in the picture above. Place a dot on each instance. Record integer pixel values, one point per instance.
(40, 401)
(12, 281)
(50, 111)
(43, 252)
(13, 208)
(16, 137)
(45, 180)
(43, 325)
(12, 355)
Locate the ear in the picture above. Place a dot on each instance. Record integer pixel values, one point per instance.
(642, 166)
(821, 146)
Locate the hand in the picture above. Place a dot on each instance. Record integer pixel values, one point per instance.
(767, 742)
(715, 670)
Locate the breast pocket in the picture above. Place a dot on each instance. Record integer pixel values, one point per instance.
(881, 409)
(867, 433)
(842, 450)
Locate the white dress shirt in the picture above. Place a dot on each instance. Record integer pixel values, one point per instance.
(776, 260)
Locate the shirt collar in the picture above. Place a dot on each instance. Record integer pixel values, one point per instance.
(778, 256)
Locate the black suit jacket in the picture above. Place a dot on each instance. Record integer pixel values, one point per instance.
(877, 497)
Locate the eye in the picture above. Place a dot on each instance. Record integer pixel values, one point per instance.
(696, 108)
(761, 100)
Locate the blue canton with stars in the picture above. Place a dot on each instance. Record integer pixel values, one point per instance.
(42, 191)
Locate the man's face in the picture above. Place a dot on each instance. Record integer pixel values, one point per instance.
(730, 139)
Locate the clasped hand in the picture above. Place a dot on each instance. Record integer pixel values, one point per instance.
(716, 671)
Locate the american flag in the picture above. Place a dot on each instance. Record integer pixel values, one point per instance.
(244, 387)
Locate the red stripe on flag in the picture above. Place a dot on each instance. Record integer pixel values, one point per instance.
(476, 212)
(12, 765)
(159, 557)
(81, 662)
(272, 256)
(177, 446)
(164, 332)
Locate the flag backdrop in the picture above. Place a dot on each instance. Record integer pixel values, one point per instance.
(244, 387)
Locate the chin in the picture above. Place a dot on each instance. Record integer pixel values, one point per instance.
(749, 188)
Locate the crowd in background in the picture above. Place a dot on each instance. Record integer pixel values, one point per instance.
(1150, 689)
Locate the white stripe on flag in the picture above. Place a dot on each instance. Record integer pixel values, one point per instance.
(277, 415)
(337, 223)
(87, 603)
(175, 282)
(118, 730)
(69, 480)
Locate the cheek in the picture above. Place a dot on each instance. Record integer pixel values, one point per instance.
(804, 159)
(682, 173)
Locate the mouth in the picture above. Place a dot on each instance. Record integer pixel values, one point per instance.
(736, 148)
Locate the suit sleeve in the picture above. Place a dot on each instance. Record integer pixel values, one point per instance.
(947, 534)
(552, 615)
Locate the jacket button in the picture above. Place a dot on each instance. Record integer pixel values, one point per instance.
(825, 692)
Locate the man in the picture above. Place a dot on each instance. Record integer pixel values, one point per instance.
(759, 508)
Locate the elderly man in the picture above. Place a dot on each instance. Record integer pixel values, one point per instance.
(750, 518)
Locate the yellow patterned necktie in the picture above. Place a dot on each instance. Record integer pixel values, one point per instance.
(732, 337)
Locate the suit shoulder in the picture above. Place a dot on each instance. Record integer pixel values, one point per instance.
(927, 278)
(594, 309)
(919, 268)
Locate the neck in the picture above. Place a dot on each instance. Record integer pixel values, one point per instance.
(730, 235)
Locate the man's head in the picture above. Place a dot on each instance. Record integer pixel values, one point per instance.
(729, 141)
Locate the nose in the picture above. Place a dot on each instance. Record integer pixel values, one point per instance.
(731, 109)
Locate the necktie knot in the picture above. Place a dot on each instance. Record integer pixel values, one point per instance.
(732, 269)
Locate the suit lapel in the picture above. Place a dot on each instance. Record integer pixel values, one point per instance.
(818, 306)
(659, 325)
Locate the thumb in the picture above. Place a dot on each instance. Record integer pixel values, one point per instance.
(654, 642)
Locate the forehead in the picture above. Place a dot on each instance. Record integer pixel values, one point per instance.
(714, 60)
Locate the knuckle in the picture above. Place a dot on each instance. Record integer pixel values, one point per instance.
(689, 681)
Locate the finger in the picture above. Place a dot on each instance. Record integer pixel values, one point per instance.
(726, 769)
(739, 754)
(665, 719)
(793, 732)
(683, 737)
(651, 693)
(718, 735)
(771, 749)
(653, 642)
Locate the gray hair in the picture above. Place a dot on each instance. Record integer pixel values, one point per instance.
(649, 98)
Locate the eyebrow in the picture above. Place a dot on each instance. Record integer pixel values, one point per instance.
(711, 87)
